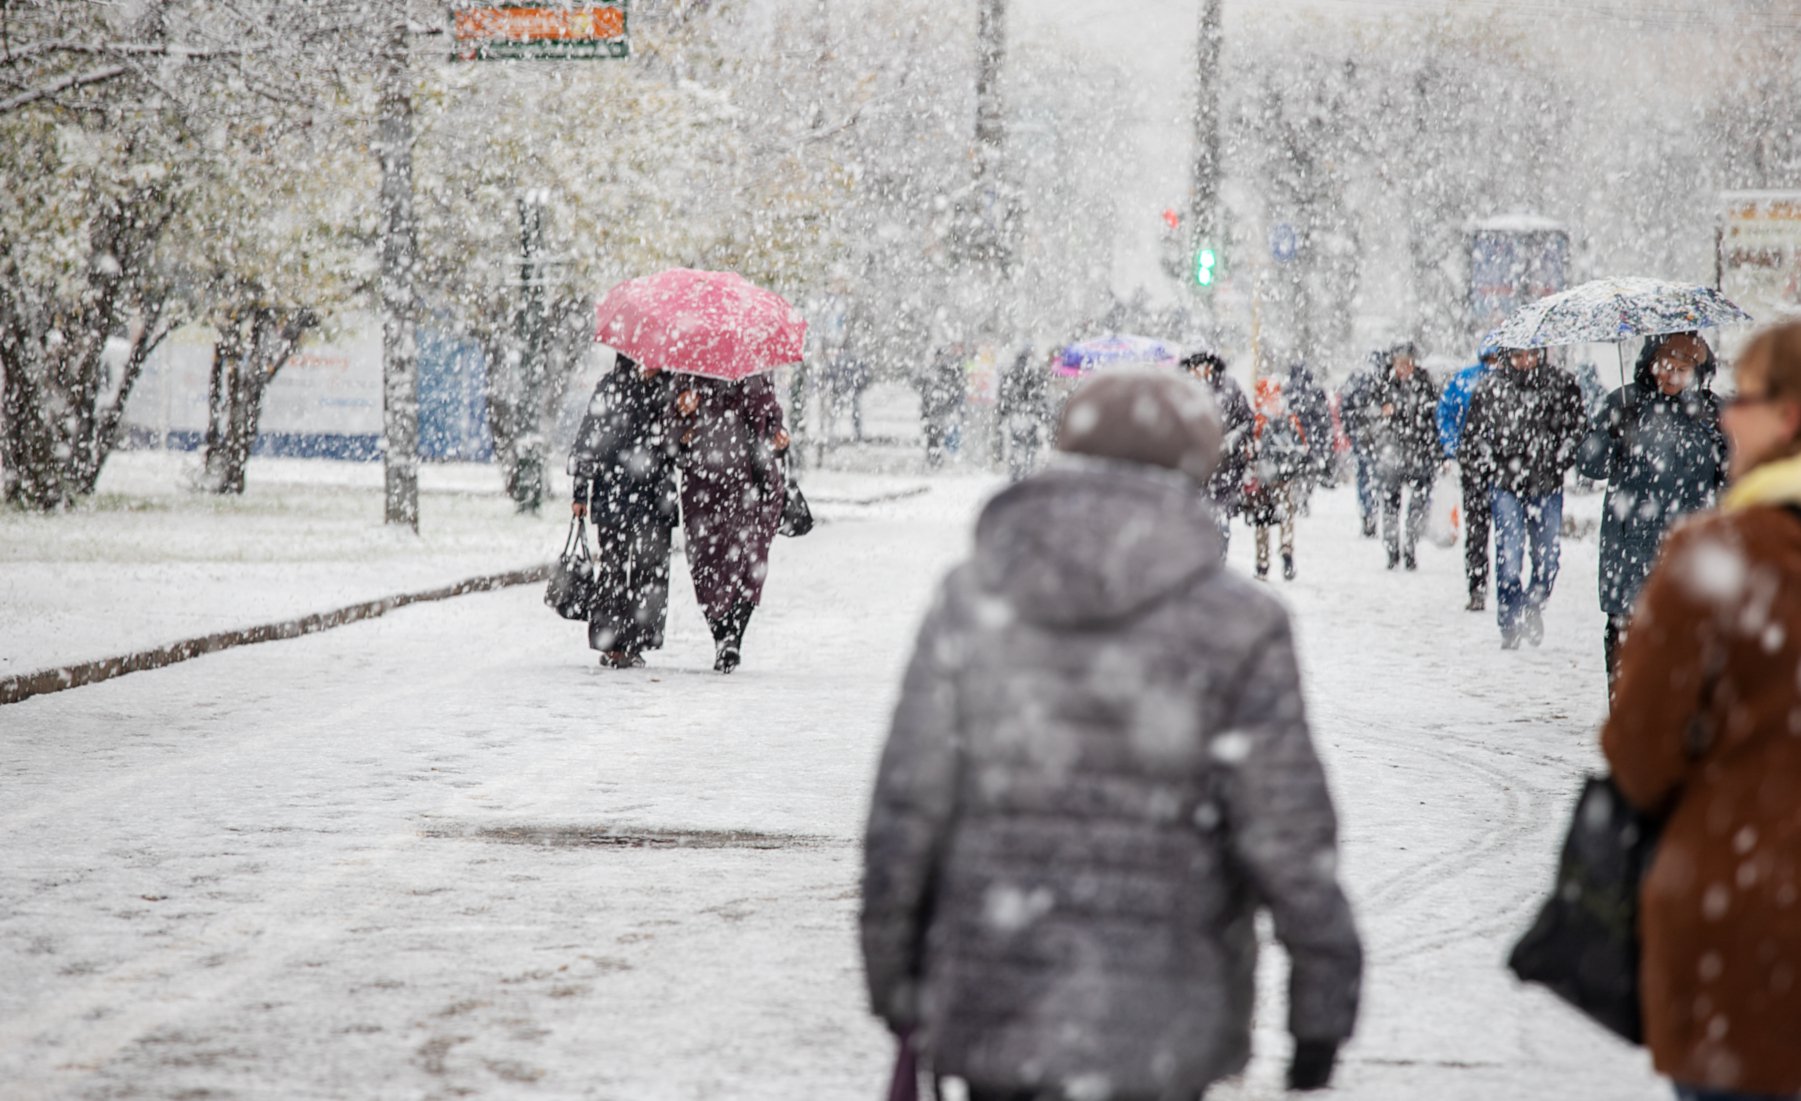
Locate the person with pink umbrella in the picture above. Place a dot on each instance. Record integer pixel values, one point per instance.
(719, 334)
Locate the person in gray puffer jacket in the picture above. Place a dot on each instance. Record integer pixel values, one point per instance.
(1099, 770)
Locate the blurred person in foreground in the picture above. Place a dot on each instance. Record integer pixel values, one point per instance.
(1238, 439)
(624, 463)
(1099, 770)
(1704, 732)
(1658, 445)
(1524, 427)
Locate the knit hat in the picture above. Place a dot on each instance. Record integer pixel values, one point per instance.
(1151, 417)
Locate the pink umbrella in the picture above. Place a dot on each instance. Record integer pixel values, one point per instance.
(712, 323)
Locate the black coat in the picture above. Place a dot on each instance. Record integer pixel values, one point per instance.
(1237, 445)
(1309, 403)
(1524, 429)
(624, 456)
(1663, 457)
(1404, 441)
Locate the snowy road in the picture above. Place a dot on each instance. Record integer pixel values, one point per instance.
(372, 863)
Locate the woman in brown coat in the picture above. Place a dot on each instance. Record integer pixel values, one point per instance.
(1706, 729)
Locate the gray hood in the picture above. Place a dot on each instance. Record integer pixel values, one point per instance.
(1091, 542)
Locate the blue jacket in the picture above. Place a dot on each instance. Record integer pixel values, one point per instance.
(1455, 403)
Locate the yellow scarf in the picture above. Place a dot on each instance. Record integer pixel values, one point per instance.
(1777, 483)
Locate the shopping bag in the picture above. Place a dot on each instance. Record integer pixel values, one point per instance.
(1584, 946)
(570, 592)
(1443, 512)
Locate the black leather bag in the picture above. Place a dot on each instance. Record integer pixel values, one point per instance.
(797, 517)
(1584, 947)
(570, 592)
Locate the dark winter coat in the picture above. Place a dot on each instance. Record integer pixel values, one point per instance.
(1662, 458)
(1353, 404)
(1403, 442)
(624, 458)
(1314, 410)
(1238, 445)
(1524, 429)
(1703, 730)
(733, 487)
(1099, 769)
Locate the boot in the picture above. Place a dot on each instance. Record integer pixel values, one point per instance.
(728, 635)
(1288, 567)
(1478, 602)
(1410, 561)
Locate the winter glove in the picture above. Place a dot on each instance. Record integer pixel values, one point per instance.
(1311, 1067)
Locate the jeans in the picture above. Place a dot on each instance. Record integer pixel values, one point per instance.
(1521, 522)
(1693, 1093)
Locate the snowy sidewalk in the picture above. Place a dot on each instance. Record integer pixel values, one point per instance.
(373, 863)
(149, 562)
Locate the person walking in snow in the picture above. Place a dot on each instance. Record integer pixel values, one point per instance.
(733, 455)
(1238, 444)
(623, 463)
(1314, 410)
(1024, 408)
(1702, 734)
(1658, 445)
(1475, 483)
(1280, 459)
(1400, 423)
(1353, 402)
(1525, 424)
(1098, 771)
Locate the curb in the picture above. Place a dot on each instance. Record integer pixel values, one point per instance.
(44, 681)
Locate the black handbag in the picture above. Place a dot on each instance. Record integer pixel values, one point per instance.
(570, 592)
(1584, 947)
(797, 517)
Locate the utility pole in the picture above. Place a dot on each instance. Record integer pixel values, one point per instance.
(528, 473)
(399, 255)
(1203, 209)
(993, 198)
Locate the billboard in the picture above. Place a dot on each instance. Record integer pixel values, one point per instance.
(1513, 260)
(544, 31)
(1760, 252)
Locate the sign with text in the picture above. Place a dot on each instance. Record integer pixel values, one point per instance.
(1760, 252)
(540, 32)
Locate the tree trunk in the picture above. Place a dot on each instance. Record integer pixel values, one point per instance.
(399, 254)
(250, 351)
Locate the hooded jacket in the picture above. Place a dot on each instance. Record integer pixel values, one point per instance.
(1663, 458)
(1099, 769)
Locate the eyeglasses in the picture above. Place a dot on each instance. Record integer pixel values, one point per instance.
(1677, 363)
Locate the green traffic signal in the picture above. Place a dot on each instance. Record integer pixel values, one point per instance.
(1206, 261)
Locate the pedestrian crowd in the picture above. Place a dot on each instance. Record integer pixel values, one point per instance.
(1100, 768)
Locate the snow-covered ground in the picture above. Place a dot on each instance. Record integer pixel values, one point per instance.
(387, 861)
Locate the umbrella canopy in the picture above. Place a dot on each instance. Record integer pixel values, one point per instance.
(711, 323)
(1608, 311)
(1114, 350)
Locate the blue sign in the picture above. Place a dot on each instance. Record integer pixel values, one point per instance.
(1284, 243)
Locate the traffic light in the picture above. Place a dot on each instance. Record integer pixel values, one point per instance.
(1206, 266)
